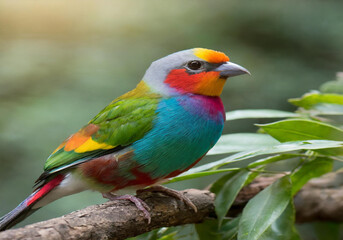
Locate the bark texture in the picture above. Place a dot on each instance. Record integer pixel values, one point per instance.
(319, 200)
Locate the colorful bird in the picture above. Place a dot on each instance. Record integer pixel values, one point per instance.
(158, 130)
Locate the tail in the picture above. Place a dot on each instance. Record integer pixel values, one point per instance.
(60, 186)
(17, 215)
(26, 207)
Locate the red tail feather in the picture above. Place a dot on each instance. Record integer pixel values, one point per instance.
(45, 189)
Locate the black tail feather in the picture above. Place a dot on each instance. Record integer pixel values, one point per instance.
(16, 215)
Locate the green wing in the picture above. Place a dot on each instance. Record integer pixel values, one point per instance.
(121, 123)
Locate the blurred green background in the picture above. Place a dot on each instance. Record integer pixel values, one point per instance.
(61, 62)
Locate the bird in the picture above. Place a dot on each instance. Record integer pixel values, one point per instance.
(156, 131)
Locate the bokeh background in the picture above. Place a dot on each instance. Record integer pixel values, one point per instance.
(63, 61)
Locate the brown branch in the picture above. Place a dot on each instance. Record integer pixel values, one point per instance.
(118, 219)
(320, 199)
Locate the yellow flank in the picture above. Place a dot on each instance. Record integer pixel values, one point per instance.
(210, 56)
(91, 145)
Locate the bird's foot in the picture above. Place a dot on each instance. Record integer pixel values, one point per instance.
(140, 204)
(170, 192)
(110, 196)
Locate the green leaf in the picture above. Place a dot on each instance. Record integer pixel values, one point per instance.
(319, 103)
(309, 170)
(152, 235)
(283, 228)
(310, 100)
(258, 113)
(264, 209)
(158, 234)
(219, 184)
(200, 174)
(335, 86)
(229, 229)
(182, 232)
(327, 109)
(208, 230)
(273, 159)
(228, 193)
(253, 174)
(238, 142)
(302, 129)
(327, 230)
(280, 148)
(170, 236)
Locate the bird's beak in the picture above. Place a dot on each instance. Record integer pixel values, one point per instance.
(230, 69)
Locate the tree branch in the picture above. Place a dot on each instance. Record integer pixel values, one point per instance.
(119, 219)
(321, 199)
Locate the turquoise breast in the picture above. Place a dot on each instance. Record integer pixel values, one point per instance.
(186, 127)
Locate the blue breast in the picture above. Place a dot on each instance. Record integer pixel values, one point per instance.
(184, 131)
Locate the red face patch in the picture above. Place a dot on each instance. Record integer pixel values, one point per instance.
(204, 83)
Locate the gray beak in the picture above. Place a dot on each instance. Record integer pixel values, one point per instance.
(230, 69)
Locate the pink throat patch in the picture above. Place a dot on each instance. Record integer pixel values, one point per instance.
(213, 104)
(205, 105)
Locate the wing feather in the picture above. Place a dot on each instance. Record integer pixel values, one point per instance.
(118, 125)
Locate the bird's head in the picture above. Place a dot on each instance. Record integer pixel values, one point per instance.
(198, 71)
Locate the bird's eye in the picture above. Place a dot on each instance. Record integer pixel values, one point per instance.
(194, 65)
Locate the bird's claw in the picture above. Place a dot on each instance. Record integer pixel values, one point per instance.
(140, 204)
(170, 192)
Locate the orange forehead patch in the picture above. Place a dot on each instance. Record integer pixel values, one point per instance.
(210, 56)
